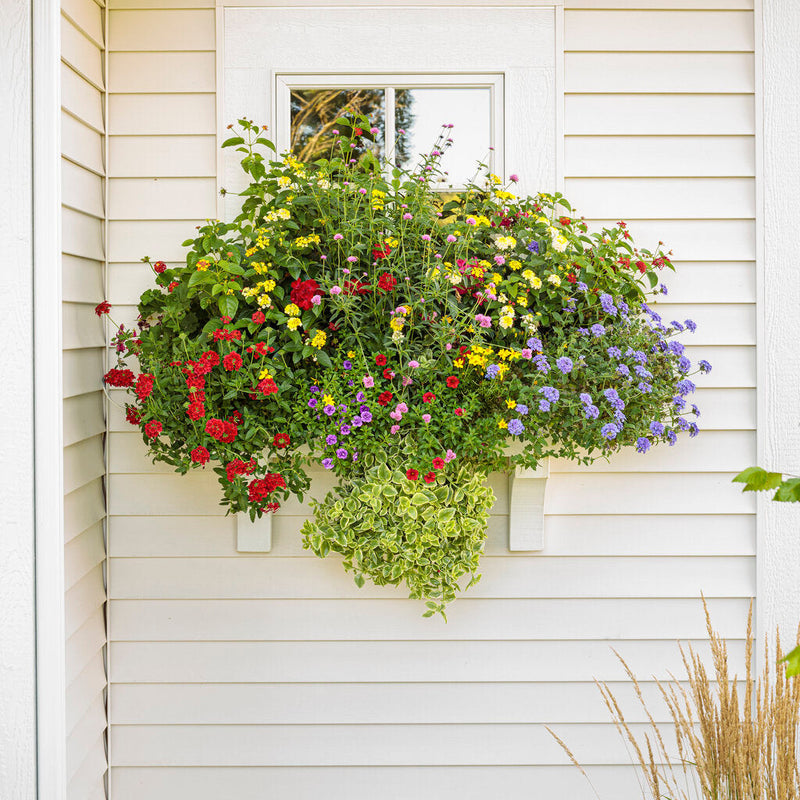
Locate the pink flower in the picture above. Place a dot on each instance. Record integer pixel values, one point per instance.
(426, 418)
(451, 238)
(408, 216)
(336, 289)
(527, 353)
(407, 381)
(413, 364)
(394, 429)
(396, 415)
(352, 259)
(402, 408)
(499, 260)
(425, 237)
(448, 346)
(373, 131)
(362, 190)
(483, 320)
(449, 456)
(368, 381)
(316, 300)
(513, 177)
(337, 237)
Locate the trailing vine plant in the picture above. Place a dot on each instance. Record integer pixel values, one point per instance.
(353, 319)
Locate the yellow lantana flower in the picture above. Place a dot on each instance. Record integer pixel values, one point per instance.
(293, 324)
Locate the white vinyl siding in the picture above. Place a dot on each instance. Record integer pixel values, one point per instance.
(83, 177)
(248, 676)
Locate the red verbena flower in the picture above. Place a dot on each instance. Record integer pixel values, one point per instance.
(428, 397)
(571, 277)
(199, 455)
(378, 252)
(232, 362)
(159, 267)
(267, 386)
(412, 474)
(224, 319)
(384, 398)
(438, 463)
(102, 308)
(355, 287)
(387, 282)
(211, 357)
(430, 477)
(144, 386)
(119, 377)
(132, 415)
(237, 417)
(231, 430)
(196, 411)
(258, 317)
(238, 467)
(215, 428)
(153, 429)
(452, 382)
(195, 382)
(281, 440)
(380, 360)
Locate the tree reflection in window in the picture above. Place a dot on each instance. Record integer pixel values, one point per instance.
(314, 113)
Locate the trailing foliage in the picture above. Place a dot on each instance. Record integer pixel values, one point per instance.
(354, 318)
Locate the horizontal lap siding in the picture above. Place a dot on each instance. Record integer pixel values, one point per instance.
(245, 675)
(83, 201)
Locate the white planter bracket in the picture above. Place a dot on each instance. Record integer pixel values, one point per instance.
(254, 537)
(526, 489)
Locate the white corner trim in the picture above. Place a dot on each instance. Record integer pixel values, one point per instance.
(48, 437)
(254, 537)
(526, 490)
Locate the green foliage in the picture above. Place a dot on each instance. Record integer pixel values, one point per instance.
(353, 317)
(393, 530)
(755, 479)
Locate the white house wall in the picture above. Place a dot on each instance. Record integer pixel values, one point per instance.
(83, 199)
(249, 676)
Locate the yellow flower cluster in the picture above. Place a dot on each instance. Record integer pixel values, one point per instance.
(293, 324)
(506, 242)
(318, 339)
(478, 221)
(302, 242)
(378, 201)
(203, 264)
(292, 310)
(533, 279)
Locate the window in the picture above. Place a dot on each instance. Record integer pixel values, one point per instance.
(408, 112)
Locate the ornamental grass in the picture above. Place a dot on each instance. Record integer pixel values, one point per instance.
(723, 743)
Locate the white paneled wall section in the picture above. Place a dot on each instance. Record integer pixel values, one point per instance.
(272, 675)
(83, 221)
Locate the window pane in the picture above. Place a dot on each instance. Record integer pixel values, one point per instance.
(314, 112)
(422, 112)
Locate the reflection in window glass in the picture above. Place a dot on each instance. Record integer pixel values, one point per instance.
(314, 112)
(467, 109)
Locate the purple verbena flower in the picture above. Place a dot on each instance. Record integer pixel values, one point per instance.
(609, 431)
(515, 427)
(642, 444)
(550, 393)
(656, 428)
(591, 412)
(564, 364)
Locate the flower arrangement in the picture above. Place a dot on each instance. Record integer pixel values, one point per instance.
(354, 318)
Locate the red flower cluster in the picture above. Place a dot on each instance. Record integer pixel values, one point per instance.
(199, 455)
(159, 267)
(267, 386)
(153, 429)
(384, 398)
(144, 386)
(210, 357)
(132, 415)
(239, 467)
(232, 362)
(303, 293)
(258, 317)
(261, 488)
(452, 382)
(378, 252)
(388, 373)
(221, 430)
(121, 378)
(102, 308)
(387, 282)
(428, 397)
(430, 477)
(225, 335)
(281, 441)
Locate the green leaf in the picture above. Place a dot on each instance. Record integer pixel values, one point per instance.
(418, 499)
(234, 140)
(227, 305)
(757, 479)
(792, 660)
(324, 359)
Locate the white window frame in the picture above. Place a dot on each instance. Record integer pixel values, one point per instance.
(286, 82)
